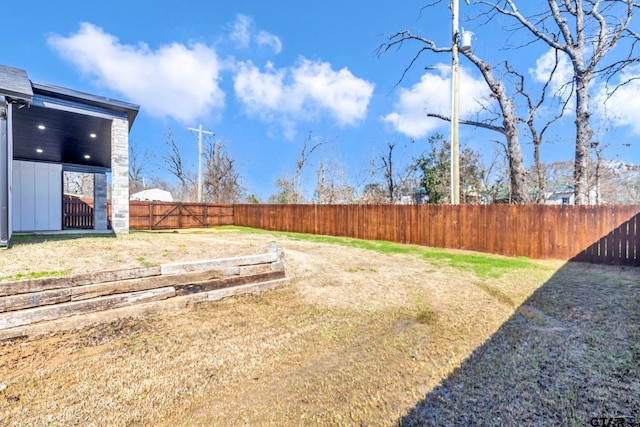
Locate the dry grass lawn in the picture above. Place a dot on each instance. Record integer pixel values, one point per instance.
(362, 334)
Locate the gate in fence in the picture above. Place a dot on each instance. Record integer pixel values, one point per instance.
(169, 215)
(77, 214)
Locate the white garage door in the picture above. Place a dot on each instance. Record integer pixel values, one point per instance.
(36, 196)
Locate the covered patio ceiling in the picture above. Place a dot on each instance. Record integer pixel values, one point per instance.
(50, 135)
(55, 124)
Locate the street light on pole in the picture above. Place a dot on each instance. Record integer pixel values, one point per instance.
(455, 146)
(200, 132)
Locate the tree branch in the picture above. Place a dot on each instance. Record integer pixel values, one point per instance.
(398, 39)
(469, 122)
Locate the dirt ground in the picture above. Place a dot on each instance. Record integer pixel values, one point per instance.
(356, 337)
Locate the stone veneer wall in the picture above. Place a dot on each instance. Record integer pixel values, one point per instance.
(100, 201)
(120, 175)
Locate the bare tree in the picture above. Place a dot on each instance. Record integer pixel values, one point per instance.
(175, 165)
(398, 181)
(632, 188)
(78, 183)
(221, 174)
(285, 191)
(373, 194)
(309, 145)
(493, 187)
(586, 31)
(138, 162)
(290, 188)
(532, 118)
(508, 126)
(388, 172)
(332, 186)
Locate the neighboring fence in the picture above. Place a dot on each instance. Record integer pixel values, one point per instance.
(599, 234)
(76, 213)
(168, 215)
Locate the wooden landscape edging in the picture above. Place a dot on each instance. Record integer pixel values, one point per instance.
(24, 304)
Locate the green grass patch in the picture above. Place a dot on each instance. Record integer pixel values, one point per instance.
(425, 314)
(29, 239)
(482, 265)
(360, 269)
(36, 275)
(142, 260)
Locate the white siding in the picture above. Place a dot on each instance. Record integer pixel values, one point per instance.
(37, 196)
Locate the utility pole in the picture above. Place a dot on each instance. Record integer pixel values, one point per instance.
(200, 132)
(455, 144)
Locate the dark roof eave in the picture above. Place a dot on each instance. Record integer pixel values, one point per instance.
(131, 110)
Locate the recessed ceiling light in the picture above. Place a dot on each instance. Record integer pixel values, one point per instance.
(86, 156)
(92, 135)
(39, 150)
(41, 127)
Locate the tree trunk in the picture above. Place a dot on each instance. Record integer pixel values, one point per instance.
(583, 139)
(517, 175)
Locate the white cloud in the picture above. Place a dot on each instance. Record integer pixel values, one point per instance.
(305, 91)
(562, 75)
(243, 32)
(622, 107)
(433, 94)
(265, 38)
(175, 80)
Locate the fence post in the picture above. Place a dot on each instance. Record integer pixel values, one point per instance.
(150, 204)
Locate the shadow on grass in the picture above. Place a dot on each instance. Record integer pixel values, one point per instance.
(570, 355)
(30, 239)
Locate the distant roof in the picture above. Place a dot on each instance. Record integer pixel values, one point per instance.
(557, 187)
(15, 84)
(153, 194)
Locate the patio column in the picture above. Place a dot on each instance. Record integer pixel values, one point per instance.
(100, 201)
(120, 175)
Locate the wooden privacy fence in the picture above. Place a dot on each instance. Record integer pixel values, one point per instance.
(77, 213)
(599, 234)
(168, 215)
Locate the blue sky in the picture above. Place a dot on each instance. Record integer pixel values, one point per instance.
(263, 74)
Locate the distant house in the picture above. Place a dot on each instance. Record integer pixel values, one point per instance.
(48, 130)
(559, 194)
(564, 194)
(153, 194)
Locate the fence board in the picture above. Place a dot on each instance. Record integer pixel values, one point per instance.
(77, 214)
(601, 234)
(634, 241)
(169, 215)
